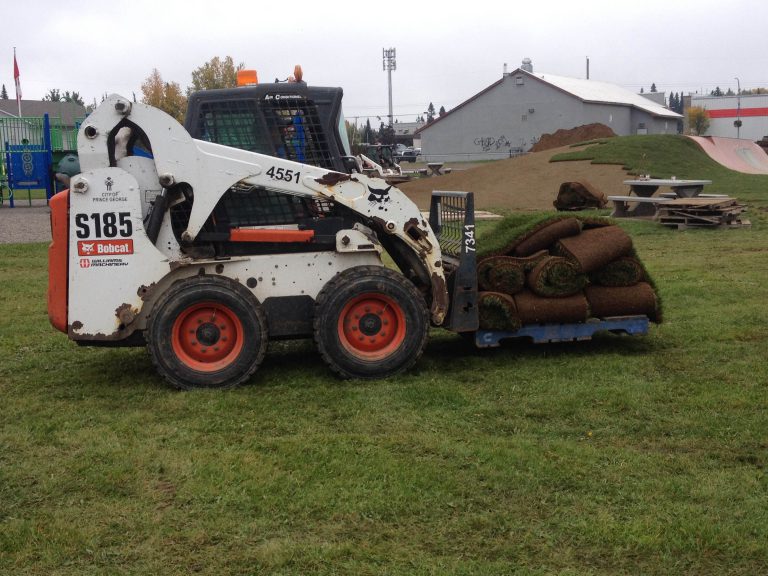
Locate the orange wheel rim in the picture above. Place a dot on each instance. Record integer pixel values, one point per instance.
(371, 326)
(207, 337)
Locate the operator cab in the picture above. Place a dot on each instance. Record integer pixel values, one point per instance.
(288, 120)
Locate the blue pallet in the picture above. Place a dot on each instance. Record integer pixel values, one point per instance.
(544, 333)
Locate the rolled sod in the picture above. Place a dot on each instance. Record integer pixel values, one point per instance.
(500, 274)
(497, 312)
(625, 271)
(606, 301)
(542, 237)
(512, 230)
(533, 309)
(556, 277)
(594, 248)
(506, 273)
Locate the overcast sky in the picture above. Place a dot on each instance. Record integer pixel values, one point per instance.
(446, 51)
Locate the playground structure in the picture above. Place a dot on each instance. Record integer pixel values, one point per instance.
(30, 146)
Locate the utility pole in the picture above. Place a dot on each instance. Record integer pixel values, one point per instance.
(738, 108)
(388, 64)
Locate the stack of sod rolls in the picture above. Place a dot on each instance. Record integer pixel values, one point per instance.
(557, 270)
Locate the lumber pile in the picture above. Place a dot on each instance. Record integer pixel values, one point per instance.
(702, 212)
(561, 271)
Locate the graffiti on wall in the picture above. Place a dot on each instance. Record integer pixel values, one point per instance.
(492, 144)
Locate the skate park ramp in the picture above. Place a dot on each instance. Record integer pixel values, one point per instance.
(734, 153)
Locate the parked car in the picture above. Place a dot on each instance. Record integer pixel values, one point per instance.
(409, 155)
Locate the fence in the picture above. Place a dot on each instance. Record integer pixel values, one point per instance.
(27, 146)
(30, 129)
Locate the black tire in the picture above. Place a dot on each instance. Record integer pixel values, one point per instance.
(207, 332)
(370, 322)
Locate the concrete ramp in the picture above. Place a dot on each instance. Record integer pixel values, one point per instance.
(734, 153)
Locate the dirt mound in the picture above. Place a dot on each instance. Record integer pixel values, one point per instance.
(573, 136)
(528, 182)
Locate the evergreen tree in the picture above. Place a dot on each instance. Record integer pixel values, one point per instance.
(653, 87)
(4, 93)
(442, 111)
(430, 113)
(386, 134)
(368, 132)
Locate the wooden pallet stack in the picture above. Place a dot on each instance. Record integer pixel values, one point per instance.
(701, 212)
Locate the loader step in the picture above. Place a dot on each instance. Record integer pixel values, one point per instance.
(544, 333)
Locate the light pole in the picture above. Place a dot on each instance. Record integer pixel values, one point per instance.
(738, 108)
(388, 64)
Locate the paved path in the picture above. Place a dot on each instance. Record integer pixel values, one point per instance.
(25, 223)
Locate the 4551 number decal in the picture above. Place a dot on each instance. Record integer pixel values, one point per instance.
(282, 174)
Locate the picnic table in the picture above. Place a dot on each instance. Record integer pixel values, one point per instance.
(436, 168)
(645, 204)
(646, 187)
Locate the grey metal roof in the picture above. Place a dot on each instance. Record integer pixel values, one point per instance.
(67, 111)
(602, 92)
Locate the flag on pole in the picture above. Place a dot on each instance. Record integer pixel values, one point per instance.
(16, 79)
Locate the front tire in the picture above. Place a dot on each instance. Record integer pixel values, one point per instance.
(207, 332)
(370, 322)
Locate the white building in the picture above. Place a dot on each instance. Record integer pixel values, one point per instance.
(510, 115)
(723, 111)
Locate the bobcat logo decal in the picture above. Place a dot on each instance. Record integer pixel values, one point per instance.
(380, 197)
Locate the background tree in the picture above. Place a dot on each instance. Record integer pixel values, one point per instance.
(386, 134)
(74, 97)
(4, 93)
(216, 73)
(698, 120)
(716, 92)
(164, 95)
(355, 135)
(368, 134)
(653, 87)
(430, 113)
(442, 111)
(55, 95)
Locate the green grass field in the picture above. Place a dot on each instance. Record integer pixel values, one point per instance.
(644, 455)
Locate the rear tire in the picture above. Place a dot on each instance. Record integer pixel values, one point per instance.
(370, 322)
(207, 332)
